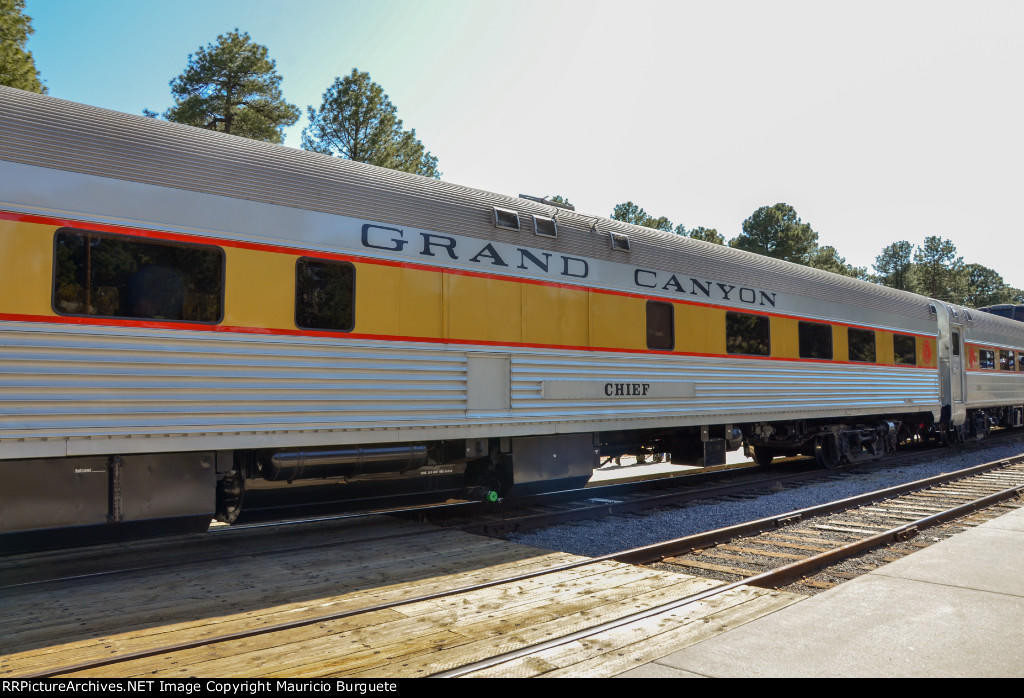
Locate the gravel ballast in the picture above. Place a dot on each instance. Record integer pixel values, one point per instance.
(612, 534)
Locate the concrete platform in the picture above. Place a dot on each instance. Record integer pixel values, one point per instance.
(954, 609)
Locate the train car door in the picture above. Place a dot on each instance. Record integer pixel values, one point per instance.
(957, 373)
(951, 362)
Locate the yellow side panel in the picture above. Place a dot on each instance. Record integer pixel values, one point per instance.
(420, 303)
(840, 343)
(618, 322)
(377, 299)
(574, 315)
(26, 268)
(700, 330)
(259, 289)
(554, 315)
(482, 309)
(785, 339)
(541, 322)
(884, 348)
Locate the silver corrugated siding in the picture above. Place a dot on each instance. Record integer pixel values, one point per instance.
(728, 386)
(102, 382)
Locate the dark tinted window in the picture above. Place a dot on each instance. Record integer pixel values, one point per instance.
(747, 334)
(904, 349)
(324, 295)
(987, 358)
(660, 326)
(136, 278)
(956, 344)
(815, 340)
(862, 345)
(1006, 361)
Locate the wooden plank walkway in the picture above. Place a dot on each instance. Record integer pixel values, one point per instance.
(67, 623)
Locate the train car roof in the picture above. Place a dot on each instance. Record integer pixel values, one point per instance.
(47, 132)
(996, 329)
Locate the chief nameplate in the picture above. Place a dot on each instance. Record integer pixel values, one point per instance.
(619, 389)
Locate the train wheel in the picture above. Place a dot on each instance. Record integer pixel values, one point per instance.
(950, 435)
(826, 451)
(763, 455)
(230, 490)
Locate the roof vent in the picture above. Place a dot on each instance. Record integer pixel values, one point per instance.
(503, 218)
(620, 241)
(545, 227)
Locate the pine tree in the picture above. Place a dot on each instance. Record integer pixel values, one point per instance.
(232, 86)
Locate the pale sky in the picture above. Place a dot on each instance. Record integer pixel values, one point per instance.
(876, 121)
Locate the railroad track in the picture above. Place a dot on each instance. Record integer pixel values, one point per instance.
(777, 550)
(444, 651)
(266, 539)
(804, 542)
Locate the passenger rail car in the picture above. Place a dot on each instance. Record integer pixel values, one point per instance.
(1013, 312)
(193, 325)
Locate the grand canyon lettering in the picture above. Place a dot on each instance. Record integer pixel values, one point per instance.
(441, 247)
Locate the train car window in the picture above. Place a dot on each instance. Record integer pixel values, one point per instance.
(987, 358)
(862, 345)
(815, 340)
(1006, 362)
(956, 344)
(904, 350)
(324, 295)
(117, 276)
(660, 326)
(747, 334)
